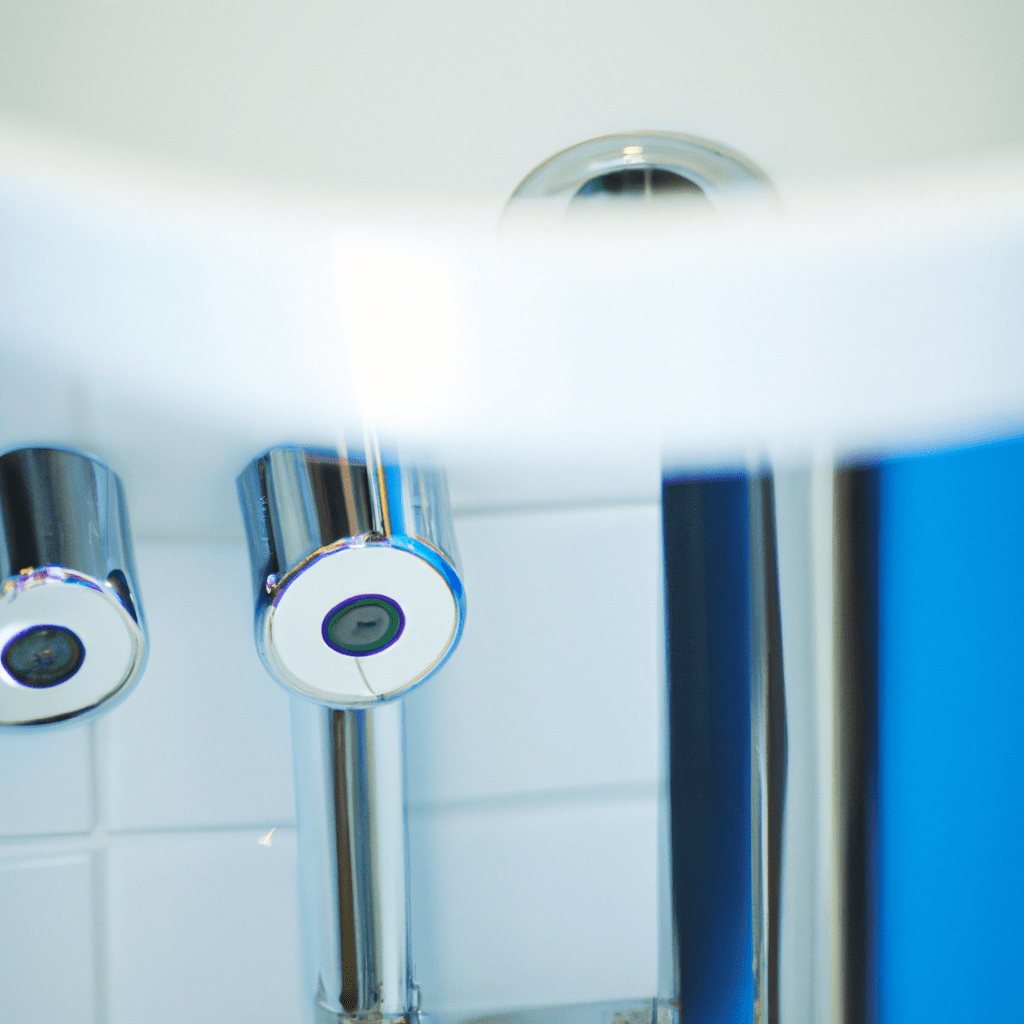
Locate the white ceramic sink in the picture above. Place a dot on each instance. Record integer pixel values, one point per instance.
(460, 99)
(223, 222)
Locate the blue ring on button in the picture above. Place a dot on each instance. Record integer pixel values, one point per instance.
(395, 629)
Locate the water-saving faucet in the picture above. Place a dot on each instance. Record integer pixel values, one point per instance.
(358, 599)
(72, 635)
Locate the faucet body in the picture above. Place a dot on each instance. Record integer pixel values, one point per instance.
(358, 599)
(72, 635)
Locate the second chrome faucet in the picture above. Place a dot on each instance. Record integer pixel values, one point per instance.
(358, 599)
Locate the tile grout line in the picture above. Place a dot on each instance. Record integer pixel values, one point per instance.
(613, 793)
(552, 507)
(192, 830)
(99, 837)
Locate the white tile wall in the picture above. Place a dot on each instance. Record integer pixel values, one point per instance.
(204, 741)
(535, 902)
(46, 782)
(132, 883)
(202, 928)
(47, 935)
(552, 686)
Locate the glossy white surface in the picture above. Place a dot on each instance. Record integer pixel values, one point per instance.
(464, 99)
(554, 684)
(205, 744)
(47, 782)
(295, 620)
(869, 316)
(108, 635)
(202, 928)
(48, 938)
(539, 903)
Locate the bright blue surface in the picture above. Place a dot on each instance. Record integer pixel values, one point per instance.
(951, 740)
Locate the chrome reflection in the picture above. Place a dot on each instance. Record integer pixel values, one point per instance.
(353, 872)
(72, 634)
(645, 172)
(318, 523)
(772, 610)
(339, 535)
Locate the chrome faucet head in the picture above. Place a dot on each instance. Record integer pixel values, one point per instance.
(72, 635)
(358, 597)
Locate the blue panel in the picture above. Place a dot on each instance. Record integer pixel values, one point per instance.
(951, 737)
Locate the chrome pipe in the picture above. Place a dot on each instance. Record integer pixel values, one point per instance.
(772, 608)
(353, 860)
(358, 599)
(72, 633)
(827, 528)
(769, 759)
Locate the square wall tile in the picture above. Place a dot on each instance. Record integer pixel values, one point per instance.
(204, 740)
(534, 903)
(47, 783)
(192, 493)
(27, 422)
(624, 473)
(203, 928)
(557, 681)
(47, 937)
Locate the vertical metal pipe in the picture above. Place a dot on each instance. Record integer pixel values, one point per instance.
(768, 751)
(827, 528)
(805, 529)
(809, 588)
(353, 863)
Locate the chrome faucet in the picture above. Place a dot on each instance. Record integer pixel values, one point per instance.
(358, 599)
(72, 636)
